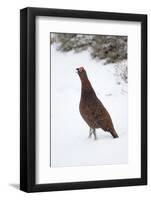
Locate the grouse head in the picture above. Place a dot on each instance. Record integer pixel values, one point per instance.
(82, 73)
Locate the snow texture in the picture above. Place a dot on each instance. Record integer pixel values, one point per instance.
(70, 145)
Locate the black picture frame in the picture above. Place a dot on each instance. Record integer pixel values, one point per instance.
(28, 99)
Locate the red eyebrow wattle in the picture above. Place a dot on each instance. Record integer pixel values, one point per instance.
(81, 68)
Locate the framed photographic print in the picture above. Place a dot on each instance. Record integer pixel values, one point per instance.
(83, 99)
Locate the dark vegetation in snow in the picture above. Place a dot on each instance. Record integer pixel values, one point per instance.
(109, 47)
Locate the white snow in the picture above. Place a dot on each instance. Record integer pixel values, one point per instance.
(70, 145)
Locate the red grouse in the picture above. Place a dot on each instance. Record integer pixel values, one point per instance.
(91, 108)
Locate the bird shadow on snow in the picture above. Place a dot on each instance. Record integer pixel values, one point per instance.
(103, 136)
(100, 136)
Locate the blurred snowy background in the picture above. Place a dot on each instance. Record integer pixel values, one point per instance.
(105, 60)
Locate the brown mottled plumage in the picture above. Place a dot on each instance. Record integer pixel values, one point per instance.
(91, 108)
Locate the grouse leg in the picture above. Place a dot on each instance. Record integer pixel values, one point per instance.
(90, 132)
(94, 133)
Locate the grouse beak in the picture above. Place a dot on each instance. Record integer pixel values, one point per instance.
(77, 70)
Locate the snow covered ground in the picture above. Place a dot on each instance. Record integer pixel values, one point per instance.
(70, 145)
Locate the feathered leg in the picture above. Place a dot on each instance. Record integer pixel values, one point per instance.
(90, 132)
(94, 133)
